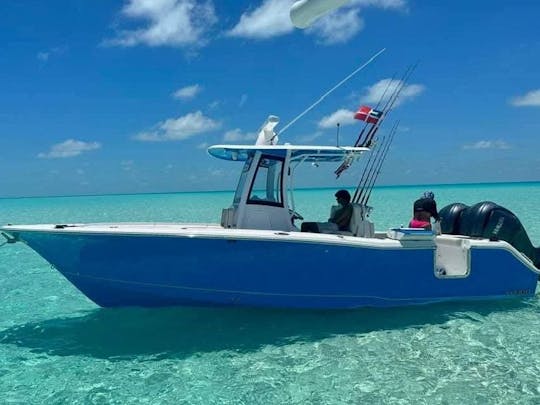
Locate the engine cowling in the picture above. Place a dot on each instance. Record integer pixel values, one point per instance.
(491, 221)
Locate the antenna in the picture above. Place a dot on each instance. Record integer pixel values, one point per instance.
(337, 135)
(331, 90)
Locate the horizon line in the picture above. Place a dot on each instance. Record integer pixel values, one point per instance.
(299, 188)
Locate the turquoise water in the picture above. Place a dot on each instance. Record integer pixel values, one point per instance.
(58, 347)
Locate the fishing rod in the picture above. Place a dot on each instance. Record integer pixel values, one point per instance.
(374, 128)
(347, 163)
(388, 106)
(380, 163)
(358, 140)
(374, 169)
(362, 177)
(367, 196)
(368, 170)
(373, 131)
(370, 189)
(390, 103)
(361, 188)
(331, 91)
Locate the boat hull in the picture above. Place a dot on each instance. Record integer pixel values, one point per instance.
(284, 271)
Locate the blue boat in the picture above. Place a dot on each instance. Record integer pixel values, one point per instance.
(258, 257)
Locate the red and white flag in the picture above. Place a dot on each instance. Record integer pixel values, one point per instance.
(368, 114)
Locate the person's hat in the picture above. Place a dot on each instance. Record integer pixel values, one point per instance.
(428, 205)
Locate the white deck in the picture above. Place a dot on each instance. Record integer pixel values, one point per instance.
(214, 231)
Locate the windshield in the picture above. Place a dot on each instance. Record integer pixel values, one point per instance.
(266, 188)
(242, 181)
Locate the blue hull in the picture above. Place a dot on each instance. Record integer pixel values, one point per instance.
(147, 271)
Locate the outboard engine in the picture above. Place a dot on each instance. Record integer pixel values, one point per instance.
(491, 221)
(450, 218)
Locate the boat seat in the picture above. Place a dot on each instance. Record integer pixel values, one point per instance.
(358, 226)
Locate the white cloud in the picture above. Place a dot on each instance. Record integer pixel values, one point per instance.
(343, 116)
(269, 20)
(337, 27)
(383, 89)
(272, 19)
(43, 56)
(237, 135)
(487, 145)
(177, 129)
(531, 99)
(310, 137)
(187, 92)
(69, 148)
(177, 23)
(345, 22)
(243, 100)
(384, 4)
(214, 104)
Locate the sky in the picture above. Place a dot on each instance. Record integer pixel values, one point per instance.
(101, 97)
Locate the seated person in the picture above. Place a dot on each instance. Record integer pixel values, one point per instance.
(342, 216)
(340, 219)
(424, 209)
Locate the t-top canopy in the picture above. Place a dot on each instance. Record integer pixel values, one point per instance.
(306, 153)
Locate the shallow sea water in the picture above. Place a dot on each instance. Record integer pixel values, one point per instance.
(58, 347)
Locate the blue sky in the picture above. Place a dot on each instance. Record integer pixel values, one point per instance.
(124, 96)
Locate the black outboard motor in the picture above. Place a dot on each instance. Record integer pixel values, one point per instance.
(491, 221)
(450, 218)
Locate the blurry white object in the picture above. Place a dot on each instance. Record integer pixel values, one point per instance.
(304, 12)
(267, 136)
